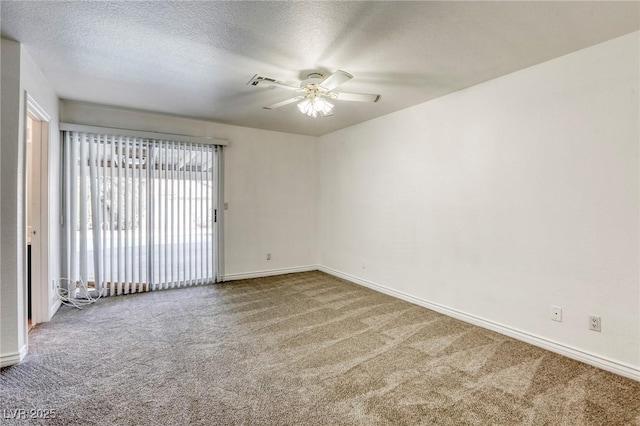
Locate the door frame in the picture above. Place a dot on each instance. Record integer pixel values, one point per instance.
(40, 290)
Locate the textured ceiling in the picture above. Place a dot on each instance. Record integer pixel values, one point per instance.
(195, 58)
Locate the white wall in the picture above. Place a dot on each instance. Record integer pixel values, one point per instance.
(20, 76)
(12, 342)
(270, 183)
(501, 200)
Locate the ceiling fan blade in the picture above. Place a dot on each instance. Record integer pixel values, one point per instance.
(335, 80)
(356, 97)
(274, 83)
(283, 103)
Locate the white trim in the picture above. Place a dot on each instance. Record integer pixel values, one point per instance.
(13, 357)
(54, 308)
(616, 367)
(34, 108)
(142, 134)
(269, 272)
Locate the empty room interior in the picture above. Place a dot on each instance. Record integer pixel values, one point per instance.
(320, 212)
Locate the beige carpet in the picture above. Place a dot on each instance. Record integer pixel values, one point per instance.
(297, 349)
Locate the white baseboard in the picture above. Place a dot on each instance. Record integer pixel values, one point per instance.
(13, 357)
(53, 309)
(544, 343)
(269, 272)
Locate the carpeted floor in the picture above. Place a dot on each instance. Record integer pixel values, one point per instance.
(292, 350)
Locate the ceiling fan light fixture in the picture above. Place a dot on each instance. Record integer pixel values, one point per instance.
(312, 106)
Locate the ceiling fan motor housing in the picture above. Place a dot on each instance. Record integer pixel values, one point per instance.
(313, 78)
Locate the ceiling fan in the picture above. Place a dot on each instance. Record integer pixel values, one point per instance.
(315, 92)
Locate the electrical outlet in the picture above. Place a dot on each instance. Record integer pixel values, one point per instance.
(363, 264)
(595, 323)
(268, 256)
(556, 313)
(226, 206)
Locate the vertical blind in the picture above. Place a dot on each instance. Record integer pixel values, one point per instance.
(140, 213)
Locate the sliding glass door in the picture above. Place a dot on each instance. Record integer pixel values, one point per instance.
(141, 214)
(183, 213)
